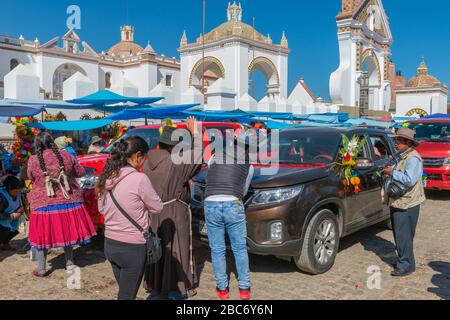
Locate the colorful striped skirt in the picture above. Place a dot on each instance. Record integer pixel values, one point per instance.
(60, 226)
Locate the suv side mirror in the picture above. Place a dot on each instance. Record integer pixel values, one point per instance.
(363, 164)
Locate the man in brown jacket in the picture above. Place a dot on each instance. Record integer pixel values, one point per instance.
(174, 276)
(405, 210)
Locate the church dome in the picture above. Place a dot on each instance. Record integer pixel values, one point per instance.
(423, 79)
(237, 28)
(126, 47)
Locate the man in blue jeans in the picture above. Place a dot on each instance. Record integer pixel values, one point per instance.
(227, 183)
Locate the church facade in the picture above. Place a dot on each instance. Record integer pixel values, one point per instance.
(363, 79)
(422, 95)
(215, 70)
(224, 58)
(66, 68)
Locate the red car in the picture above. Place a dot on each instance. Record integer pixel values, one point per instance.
(94, 164)
(434, 138)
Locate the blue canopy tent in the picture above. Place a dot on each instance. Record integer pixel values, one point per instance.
(369, 123)
(103, 98)
(82, 125)
(436, 116)
(273, 115)
(218, 115)
(152, 113)
(48, 104)
(277, 125)
(78, 125)
(8, 109)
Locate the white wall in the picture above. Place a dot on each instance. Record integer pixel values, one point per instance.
(49, 64)
(116, 74)
(301, 95)
(24, 58)
(409, 101)
(236, 59)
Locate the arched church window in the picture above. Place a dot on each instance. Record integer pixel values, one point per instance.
(169, 82)
(108, 80)
(371, 21)
(13, 64)
(62, 73)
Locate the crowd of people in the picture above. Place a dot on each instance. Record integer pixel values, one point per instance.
(142, 189)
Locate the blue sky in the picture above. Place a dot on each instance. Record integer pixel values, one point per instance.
(419, 28)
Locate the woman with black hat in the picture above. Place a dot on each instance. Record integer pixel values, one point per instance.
(174, 275)
(405, 210)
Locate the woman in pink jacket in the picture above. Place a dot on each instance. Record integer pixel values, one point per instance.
(125, 246)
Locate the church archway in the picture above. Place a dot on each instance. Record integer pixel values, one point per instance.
(370, 82)
(13, 64)
(213, 70)
(263, 66)
(62, 73)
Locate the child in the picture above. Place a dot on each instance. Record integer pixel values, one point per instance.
(10, 210)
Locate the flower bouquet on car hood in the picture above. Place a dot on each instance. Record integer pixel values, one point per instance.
(347, 161)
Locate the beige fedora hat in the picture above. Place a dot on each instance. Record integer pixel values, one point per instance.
(407, 134)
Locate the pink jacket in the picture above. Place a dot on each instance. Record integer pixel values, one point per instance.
(38, 197)
(136, 195)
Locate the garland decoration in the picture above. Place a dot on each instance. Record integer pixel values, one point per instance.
(347, 161)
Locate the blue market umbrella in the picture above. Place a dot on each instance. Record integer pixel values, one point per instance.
(106, 97)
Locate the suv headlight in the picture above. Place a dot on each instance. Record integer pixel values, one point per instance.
(271, 196)
(447, 162)
(88, 182)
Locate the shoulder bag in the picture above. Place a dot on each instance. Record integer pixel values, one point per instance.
(154, 249)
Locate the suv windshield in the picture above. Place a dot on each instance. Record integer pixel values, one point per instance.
(432, 132)
(303, 147)
(150, 135)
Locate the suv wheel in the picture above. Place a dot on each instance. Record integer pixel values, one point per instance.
(320, 244)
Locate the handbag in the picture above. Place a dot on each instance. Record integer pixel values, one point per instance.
(153, 242)
(395, 189)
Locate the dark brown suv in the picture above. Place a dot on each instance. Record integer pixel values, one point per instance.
(302, 211)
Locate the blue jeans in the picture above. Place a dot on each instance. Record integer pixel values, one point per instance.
(228, 217)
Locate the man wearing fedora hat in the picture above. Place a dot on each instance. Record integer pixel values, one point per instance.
(405, 210)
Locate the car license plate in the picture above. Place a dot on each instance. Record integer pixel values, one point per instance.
(203, 229)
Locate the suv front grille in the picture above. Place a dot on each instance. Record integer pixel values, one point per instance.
(433, 162)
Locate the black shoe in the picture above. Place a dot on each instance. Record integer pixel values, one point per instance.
(398, 273)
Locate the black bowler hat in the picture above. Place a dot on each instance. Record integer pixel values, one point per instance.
(166, 136)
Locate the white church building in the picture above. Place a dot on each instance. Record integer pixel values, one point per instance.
(215, 69)
(67, 67)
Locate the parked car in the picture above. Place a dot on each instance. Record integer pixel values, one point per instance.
(95, 163)
(302, 212)
(434, 137)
